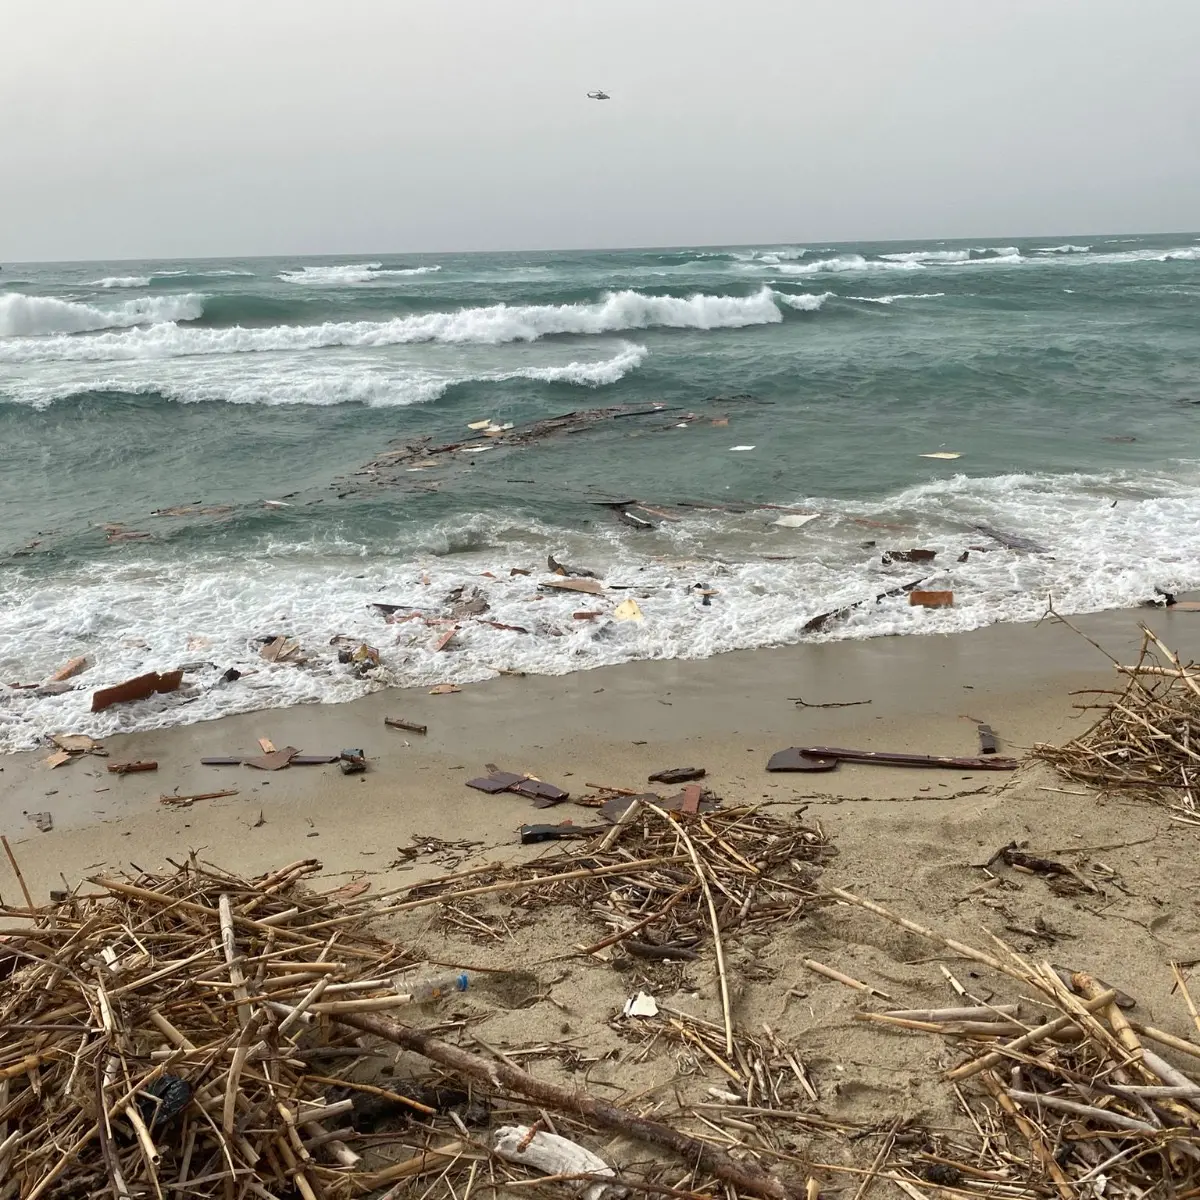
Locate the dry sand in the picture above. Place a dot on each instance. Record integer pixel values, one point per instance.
(913, 840)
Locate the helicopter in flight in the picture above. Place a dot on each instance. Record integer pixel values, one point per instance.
(599, 96)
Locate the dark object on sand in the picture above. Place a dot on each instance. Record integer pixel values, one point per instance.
(411, 726)
(130, 768)
(677, 775)
(543, 795)
(223, 761)
(353, 762)
(553, 833)
(496, 781)
(988, 743)
(794, 759)
(313, 760)
(275, 761)
(614, 809)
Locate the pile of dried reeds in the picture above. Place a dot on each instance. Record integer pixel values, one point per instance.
(154, 1035)
(1083, 1099)
(173, 1035)
(668, 885)
(1148, 738)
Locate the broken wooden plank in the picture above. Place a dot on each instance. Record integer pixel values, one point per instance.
(591, 586)
(184, 801)
(497, 781)
(819, 622)
(223, 761)
(139, 688)
(911, 760)
(1013, 541)
(920, 599)
(988, 743)
(275, 761)
(411, 726)
(794, 759)
(71, 668)
(131, 768)
(542, 793)
(677, 775)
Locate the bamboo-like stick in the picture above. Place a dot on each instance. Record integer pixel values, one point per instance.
(716, 924)
(848, 980)
(12, 858)
(1104, 1115)
(1026, 1040)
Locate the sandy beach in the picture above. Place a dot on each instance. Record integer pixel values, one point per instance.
(915, 840)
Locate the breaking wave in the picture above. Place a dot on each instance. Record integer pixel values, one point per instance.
(318, 383)
(491, 325)
(898, 296)
(24, 316)
(350, 273)
(121, 281)
(929, 256)
(1066, 248)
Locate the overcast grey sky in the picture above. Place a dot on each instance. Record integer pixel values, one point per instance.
(142, 128)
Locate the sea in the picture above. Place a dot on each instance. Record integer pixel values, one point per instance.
(197, 455)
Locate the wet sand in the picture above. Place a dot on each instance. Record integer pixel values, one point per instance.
(609, 726)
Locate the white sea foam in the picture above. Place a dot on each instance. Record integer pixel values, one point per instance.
(35, 317)
(804, 302)
(492, 325)
(350, 273)
(898, 296)
(139, 611)
(1066, 248)
(121, 281)
(928, 256)
(321, 381)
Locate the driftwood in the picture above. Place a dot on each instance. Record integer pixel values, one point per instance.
(498, 1073)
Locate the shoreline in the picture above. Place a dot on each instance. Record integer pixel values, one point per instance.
(608, 725)
(921, 842)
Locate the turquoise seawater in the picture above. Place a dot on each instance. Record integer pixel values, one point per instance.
(1064, 373)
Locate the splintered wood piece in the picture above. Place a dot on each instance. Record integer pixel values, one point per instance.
(591, 586)
(140, 688)
(410, 726)
(795, 759)
(274, 761)
(130, 768)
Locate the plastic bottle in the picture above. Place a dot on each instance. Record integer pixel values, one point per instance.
(428, 988)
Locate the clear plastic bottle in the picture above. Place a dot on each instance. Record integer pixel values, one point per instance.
(428, 988)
